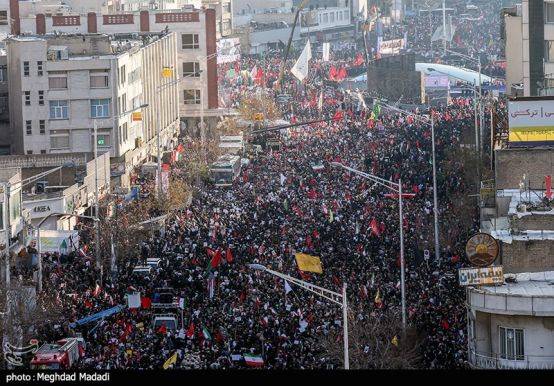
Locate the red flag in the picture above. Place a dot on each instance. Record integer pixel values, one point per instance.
(210, 252)
(216, 259)
(338, 115)
(333, 73)
(229, 255)
(359, 59)
(304, 275)
(375, 227)
(163, 329)
(548, 183)
(145, 302)
(190, 331)
(96, 291)
(88, 304)
(342, 73)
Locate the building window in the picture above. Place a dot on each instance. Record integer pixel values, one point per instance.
(511, 344)
(29, 127)
(325, 18)
(549, 12)
(125, 131)
(332, 17)
(42, 126)
(59, 140)
(3, 73)
(191, 69)
(134, 75)
(27, 98)
(99, 108)
(43, 152)
(99, 79)
(59, 110)
(41, 98)
(123, 103)
(29, 152)
(122, 75)
(3, 17)
(57, 82)
(39, 68)
(189, 41)
(192, 97)
(25, 68)
(549, 50)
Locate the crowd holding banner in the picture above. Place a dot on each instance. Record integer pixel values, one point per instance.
(290, 210)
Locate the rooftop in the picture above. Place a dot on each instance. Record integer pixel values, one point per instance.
(528, 284)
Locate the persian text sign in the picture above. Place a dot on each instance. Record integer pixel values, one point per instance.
(481, 276)
(391, 46)
(531, 122)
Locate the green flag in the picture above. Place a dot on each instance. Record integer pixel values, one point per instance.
(376, 108)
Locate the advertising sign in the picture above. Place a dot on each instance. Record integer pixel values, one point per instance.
(390, 47)
(531, 122)
(228, 50)
(52, 241)
(481, 276)
(437, 81)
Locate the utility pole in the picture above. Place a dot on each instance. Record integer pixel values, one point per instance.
(5, 220)
(435, 198)
(96, 202)
(444, 24)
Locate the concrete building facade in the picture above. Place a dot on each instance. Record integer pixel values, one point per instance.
(61, 86)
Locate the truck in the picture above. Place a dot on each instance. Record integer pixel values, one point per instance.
(61, 355)
(226, 170)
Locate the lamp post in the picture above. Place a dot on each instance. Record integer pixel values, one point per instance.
(397, 188)
(39, 244)
(335, 297)
(435, 192)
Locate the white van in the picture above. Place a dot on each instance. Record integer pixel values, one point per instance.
(169, 320)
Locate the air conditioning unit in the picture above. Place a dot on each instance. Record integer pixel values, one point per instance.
(41, 186)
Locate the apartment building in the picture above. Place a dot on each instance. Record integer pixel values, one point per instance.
(529, 37)
(4, 111)
(196, 48)
(62, 85)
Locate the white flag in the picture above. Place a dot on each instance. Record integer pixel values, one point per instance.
(326, 51)
(287, 287)
(300, 68)
(133, 300)
(254, 72)
(283, 179)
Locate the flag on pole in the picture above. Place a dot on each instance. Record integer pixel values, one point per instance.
(211, 285)
(283, 179)
(190, 331)
(376, 108)
(170, 361)
(320, 102)
(254, 72)
(378, 300)
(548, 184)
(331, 217)
(96, 291)
(326, 51)
(253, 360)
(216, 259)
(206, 333)
(300, 68)
(308, 263)
(287, 287)
(394, 341)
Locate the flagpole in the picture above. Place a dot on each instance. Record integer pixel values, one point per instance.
(402, 262)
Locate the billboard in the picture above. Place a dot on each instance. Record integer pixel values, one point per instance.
(437, 81)
(390, 47)
(228, 50)
(481, 276)
(531, 122)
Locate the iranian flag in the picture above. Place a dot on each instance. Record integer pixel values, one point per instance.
(206, 333)
(253, 361)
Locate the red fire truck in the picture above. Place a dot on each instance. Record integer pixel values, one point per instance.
(60, 355)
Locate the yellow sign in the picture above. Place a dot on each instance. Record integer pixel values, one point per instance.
(136, 116)
(167, 72)
(481, 276)
(259, 116)
(308, 263)
(531, 134)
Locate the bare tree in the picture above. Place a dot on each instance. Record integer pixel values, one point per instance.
(375, 342)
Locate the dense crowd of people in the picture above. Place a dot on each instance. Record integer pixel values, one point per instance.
(286, 201)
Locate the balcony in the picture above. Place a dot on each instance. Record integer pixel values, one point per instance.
(494, 361)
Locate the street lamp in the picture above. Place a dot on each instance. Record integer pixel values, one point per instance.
(397, 188)
(39, 251)
(335, 297)
(435, 197)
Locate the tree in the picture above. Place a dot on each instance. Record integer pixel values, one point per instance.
(372, 343)
(254, 107)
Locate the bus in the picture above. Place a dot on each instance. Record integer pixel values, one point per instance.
(226, 169)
